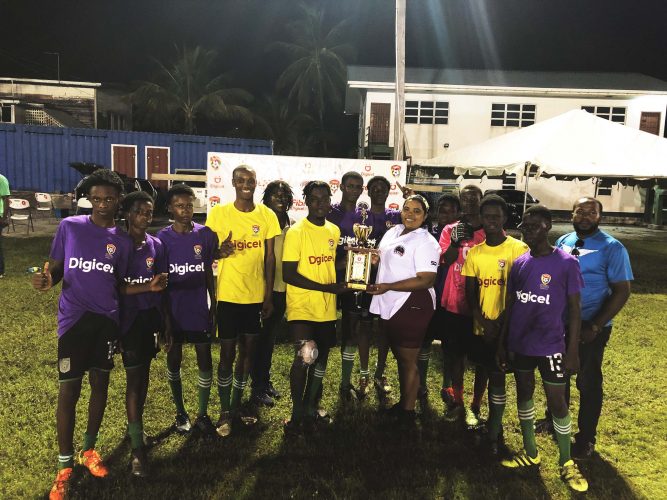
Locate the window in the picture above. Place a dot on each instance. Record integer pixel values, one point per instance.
(428, 112)
(509, 181)
(615, 114)
(512, 115)
(604, 187)
(6, 113)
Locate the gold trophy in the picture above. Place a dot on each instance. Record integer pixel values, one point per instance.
(358, 270)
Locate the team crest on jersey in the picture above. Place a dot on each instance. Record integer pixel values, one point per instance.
(389, 224)
(149, 262)
(197, 249)
(331, 243)
(111, 249)
(545, 279)
(255, 228)
(399, 250)
(64, 365)
(501, 264)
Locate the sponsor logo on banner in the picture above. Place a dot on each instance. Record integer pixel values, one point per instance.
(368, 171)
(149, 262)
(215, 162)
(334, 184)
(213, 201)
(395, 170)
(393, 206)
(197, 249)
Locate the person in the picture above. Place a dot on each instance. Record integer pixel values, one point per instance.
(448, 211)
(309, 255)
(140, 320)
(4, 217)
(344, 215)
(605, 266)
(486, 271)
(278, 197)
(190, 249)
(456, 240)
(543, 289)
(404, 297)
(245, 288)
(89, 254)
(381, 219)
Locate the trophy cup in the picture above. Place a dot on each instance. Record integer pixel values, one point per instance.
(358, 270)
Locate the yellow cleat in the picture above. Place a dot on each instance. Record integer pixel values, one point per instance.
(569, 473)
(521, 461)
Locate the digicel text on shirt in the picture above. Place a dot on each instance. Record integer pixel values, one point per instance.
(491, 282)
(526, 297)
(183, 269)
(312, 259)
(89, 265)
(242, 245)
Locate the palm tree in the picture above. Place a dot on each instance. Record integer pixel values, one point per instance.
(185, 91)
(315, 78)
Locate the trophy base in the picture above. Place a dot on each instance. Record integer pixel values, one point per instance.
(357, 286)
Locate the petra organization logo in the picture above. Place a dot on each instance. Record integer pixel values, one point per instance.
(399, 250)
(502, 263)
(255, 228)
(395, 170)
(197, 249)
(215, 162)
(331, 243)
(334, 184)
(545, 279)
(111, 249)
(214, 200)
(149, 262)
(393, 206)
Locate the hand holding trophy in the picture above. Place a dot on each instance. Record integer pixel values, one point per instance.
(359, 248)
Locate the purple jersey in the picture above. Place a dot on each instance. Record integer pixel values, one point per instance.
(189, 255)
(94, 262)
(146, 261)
(541, 287)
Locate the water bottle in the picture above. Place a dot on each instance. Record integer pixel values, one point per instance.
(33, 269)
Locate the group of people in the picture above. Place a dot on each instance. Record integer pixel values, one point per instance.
(502, 304)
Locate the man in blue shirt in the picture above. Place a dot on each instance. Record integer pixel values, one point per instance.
(605, 266)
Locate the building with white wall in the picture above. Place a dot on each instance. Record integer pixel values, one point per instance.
(454, 108)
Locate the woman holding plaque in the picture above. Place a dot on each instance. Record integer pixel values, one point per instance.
(403, 295)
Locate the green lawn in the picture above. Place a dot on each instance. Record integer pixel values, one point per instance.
(359, 455)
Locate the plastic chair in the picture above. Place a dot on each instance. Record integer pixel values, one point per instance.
(45, 204)
(20, 210)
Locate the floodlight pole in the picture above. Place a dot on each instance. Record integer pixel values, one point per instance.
(399, 104)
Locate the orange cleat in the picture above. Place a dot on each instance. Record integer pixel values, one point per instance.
(60, 486)
(91, 460)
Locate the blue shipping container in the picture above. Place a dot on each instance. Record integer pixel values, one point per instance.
(37, 158)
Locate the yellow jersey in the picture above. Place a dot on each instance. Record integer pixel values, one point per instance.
(241, 275)
(491, 266)
(314, 249)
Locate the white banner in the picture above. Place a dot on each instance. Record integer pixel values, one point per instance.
(297, 171)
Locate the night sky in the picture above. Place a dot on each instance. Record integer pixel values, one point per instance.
(113, 41)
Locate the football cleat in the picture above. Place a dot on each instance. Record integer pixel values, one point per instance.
(224, 425)
(570, 474)
(204, 426)
(382, 387)
(454, 413)
(583, 450)
(364, 388)
(139, 463)
(182, 423)
(521, 460)
(92, 461)
(60, 486)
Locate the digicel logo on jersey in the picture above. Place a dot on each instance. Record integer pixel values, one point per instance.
(183, 269)
(242, 245)
(487, 282)
(526, 297)
(89, 265)
(134, 281)
(320, 259)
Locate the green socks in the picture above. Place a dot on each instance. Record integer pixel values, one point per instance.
(237, 391)
(526, 411)
(89, 441)
(65, 461)
(224, 389)
(315, 374)
(204, 391)
(347, 365)
(136, 433)
(176, 390)
(563, 428)
(497, 402)
(422, 364)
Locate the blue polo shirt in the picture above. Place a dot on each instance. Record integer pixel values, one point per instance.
(603, 260)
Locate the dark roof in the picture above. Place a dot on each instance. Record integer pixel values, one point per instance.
(502, 78)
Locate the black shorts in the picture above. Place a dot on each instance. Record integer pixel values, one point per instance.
(407, 327)
(483, 353)
(89, 344)
(238, 319)
(140, 343)
(322, 332)
(436, 327)
(551, 367)
(356, 303)
(191, 337)
(456, 330)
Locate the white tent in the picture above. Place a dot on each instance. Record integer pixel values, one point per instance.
(574, 144)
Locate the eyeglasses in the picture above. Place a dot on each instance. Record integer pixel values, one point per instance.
(577, 245)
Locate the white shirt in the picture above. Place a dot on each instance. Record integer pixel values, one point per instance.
(402, 257)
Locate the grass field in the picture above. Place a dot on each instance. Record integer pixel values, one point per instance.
(359, 455)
